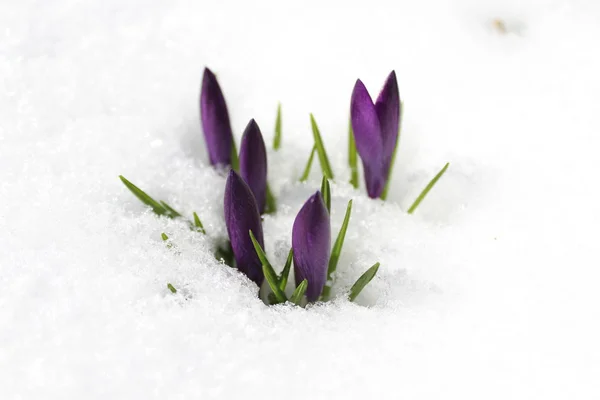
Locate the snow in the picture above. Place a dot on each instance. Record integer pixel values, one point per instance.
(488, 291)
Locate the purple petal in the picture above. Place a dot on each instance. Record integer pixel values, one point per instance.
(241, 216)
(215, 120)
(368, 138)
(388, 112)
(311, 241)
(365, 124)
(253, 163)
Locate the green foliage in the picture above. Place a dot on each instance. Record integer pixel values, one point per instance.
(362, 282)
(430, 185)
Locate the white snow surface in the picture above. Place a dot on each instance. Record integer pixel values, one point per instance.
(489, 291)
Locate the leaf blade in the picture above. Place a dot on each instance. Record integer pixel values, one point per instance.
(271, 279)
(144, 197)
(271, 203)
(336, 252)
(321, 152)
(352, 157)
(363, 281)
(306, 172)
(326, 193)
(283, 280)
(427, 188)
(299, 292)
(198, 224)
(277, 137)
(268, 270)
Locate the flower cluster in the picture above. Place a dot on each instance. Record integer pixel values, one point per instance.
(373, 135)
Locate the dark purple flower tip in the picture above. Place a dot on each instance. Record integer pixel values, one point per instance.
(311, 241)
(253, 163)
(215, 121)
(375, 127)
(241, 216)
(388, 112)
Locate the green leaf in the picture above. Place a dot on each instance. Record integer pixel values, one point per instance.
(299, 292)
(235, 161)
(271, 203)
(326, 193)
(165, 238)
(268, 270)
(144, 198)
(198, 224)
(427, 189)
(271, 279)
(363, 281)
(277, 137)
(352, 157)
(283, 280)
(386, 188)
(325, 167)
(336, 252)
(171, 213)
(171, 288)
(306, 172)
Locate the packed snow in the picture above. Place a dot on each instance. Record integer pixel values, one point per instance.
(488, 291)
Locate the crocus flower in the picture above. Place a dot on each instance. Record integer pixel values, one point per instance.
(375, 129)
(241, 217)
(215, 121)
(311, 241)
(253, 163)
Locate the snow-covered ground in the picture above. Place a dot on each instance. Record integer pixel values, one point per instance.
(489, 291)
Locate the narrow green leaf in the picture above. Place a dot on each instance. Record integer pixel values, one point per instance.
(283, 280)
(198, 224)
(171, 288)
(171, 213)
(271, 203)
(427, 189)
(306, 172)
(235, 161)
(165, 238)
(352, 157)
(325, 167)
(271, 279)
(299, 292)
(326, 193)
(277, 137)
(386, 188)
(336, 252)
(363, 281)
(144, 198)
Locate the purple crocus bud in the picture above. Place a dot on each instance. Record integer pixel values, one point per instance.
(375, 129)
(253, 163)
(215, 121)
(241, 217)
(311, 241)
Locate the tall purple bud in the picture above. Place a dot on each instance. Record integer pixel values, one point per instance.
(215, 121)
(241, 217)
(311, 241)
(253, 163)
(375, 129)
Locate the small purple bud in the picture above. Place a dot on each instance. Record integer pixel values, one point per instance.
(253, 163)
(215, 121)
(241, 217)
(375, 127)
(311, 241)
